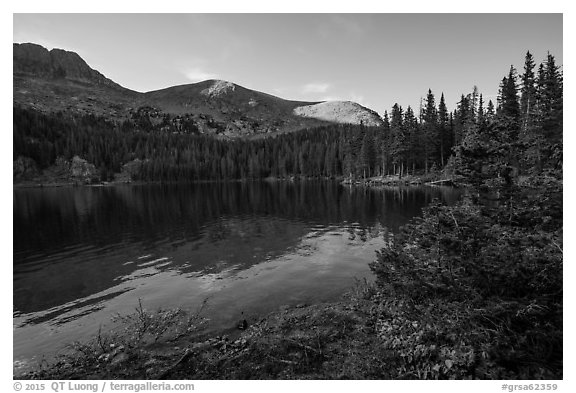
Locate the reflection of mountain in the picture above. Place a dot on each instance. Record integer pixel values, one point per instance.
(71, 243)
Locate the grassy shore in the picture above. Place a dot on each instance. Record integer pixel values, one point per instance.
(322, 341)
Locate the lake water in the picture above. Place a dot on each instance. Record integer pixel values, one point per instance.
(82, 255)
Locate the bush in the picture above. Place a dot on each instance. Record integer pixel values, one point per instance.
(477, 289)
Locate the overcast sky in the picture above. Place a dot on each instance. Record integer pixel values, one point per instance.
(373, 59)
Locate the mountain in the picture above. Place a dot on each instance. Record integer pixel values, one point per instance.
(229, 108)
(59, 80)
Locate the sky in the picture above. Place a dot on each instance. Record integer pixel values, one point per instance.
(374, 59)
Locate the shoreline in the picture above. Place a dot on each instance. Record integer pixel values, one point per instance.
(38, 184)
(341, 322)
(368, 182)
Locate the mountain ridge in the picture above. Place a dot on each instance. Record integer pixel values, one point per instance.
(59, 80)
(35, 60)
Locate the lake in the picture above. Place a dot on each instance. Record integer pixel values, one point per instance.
(84, 254)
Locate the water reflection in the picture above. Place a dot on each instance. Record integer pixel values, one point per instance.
(88, 252)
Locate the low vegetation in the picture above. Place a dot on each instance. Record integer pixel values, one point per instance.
(474, 291)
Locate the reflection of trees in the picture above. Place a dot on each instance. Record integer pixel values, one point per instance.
(48, 219)
(75, 242)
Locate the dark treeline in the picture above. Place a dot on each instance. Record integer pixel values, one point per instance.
(329, 151)
(522, 137)
(172, 156)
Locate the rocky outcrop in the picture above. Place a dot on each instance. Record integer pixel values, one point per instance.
(35, 60)
(31, 59)
(345, 112)
(218, 88)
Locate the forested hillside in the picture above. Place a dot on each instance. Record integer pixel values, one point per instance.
(521, 132)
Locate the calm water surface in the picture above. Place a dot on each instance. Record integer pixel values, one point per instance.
(81, 255)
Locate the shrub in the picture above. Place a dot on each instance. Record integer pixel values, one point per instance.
(477, 289)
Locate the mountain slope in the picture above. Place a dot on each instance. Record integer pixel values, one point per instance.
(340, 112)
(59, 80)
(35, 60)
(236, 110)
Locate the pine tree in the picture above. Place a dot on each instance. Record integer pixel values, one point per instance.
(398, 139)
(481, 118)
(509, 105)
(501, 136)
(550, 94)
(530, 134)
(462, 117)
(500, 98)
(384, 145)
(474, 104)
(490, 112)
(430, 140)
(528, 93)
(549, 117)
(415, 145)
(443, 130)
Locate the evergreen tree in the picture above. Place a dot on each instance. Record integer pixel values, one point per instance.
(500, 98)
(550, 95)
(384, 145)
(444, 131)
(481, 118)
(398, 145)
(490, 112)
(528, 93)
(509, 105)
(530, 134)
(545, 141)
(415, 145)
(430, 140)
(462, 118)
(474, 104)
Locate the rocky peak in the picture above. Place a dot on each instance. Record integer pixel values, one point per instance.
(31, 59)
(35, 60)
